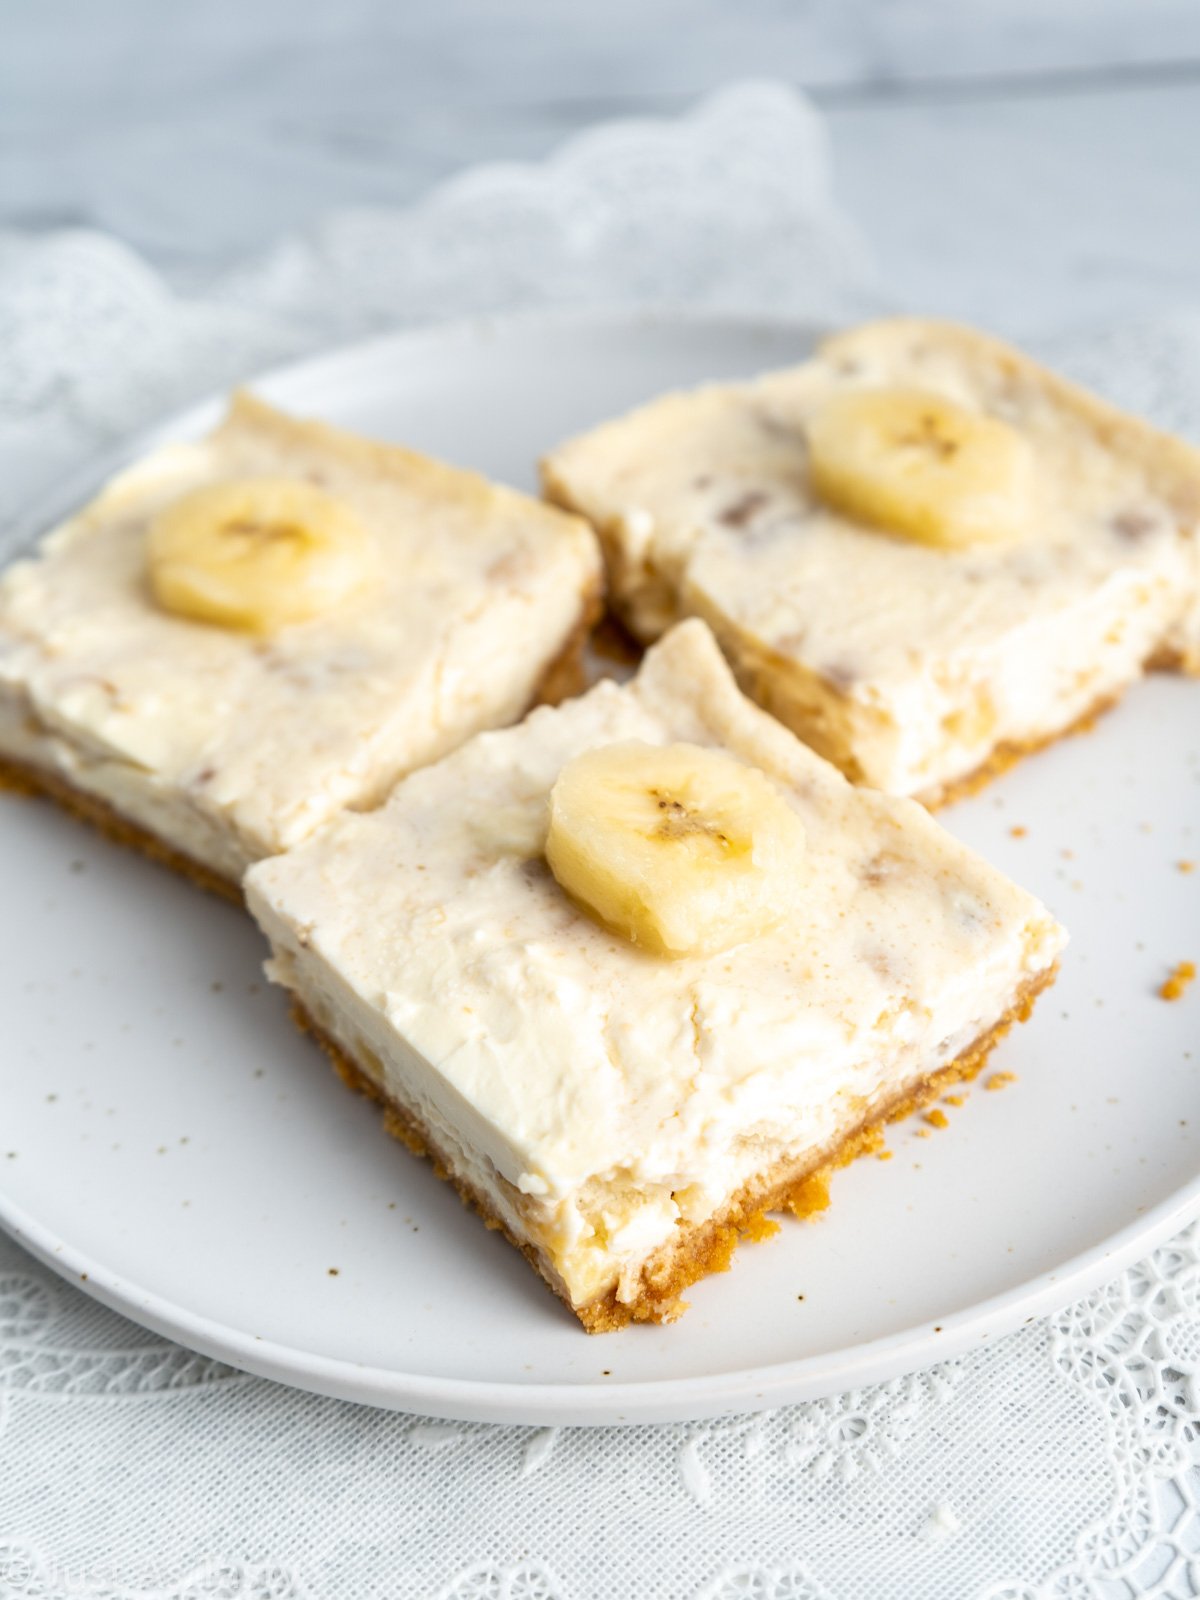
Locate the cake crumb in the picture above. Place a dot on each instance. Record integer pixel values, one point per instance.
(759, 1226)
(1176, 984)
(883, 1155)
(333, 1272)
(1000, 1080)
(937, 1119)
(1018, 830)
(920, 1133)
(810, 1196)
(1186, 866)
(956, 1099)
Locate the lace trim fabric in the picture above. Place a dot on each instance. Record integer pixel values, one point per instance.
(1059, 1464)
(731, 206)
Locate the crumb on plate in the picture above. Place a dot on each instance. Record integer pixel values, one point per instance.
(1176, 984)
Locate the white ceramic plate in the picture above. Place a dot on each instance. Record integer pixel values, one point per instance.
(170, 1142)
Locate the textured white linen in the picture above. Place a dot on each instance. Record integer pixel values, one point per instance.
(1059, 1464)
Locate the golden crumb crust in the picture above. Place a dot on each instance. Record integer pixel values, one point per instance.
(1176, 985)
(19, 778)
(613, 639)
(1007, 754)
(564, 677)
(799, 1187)
(1171, 463)
(567, 675)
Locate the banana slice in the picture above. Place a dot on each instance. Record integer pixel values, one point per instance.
(257, 554)
(683, 850)
(918, 464)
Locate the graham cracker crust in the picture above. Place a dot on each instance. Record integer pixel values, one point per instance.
(799, 1187)
(1173, 658)
(19, 778)
(613, 640)
(1008, 753)
(565, 676)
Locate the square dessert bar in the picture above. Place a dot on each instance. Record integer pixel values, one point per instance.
(643, 967)
(922, 552)
(244, 634)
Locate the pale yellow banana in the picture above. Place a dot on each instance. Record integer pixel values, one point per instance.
(682, 849)
(920, 465)
(257, 554)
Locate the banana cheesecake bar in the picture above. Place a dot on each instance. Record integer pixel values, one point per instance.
(245, 633)
(644, 967)
(921, 551)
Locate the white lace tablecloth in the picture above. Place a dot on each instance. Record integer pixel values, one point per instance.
(1059, 1464)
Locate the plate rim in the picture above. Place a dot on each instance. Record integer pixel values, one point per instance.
(652, 1400)
(658, 1400)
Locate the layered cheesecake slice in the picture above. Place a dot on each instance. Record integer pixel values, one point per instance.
(243, 634)
(921, 551)
(644, 967)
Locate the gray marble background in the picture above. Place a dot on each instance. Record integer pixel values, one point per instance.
(1026, 162)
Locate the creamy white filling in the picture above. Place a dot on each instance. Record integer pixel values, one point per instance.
(1183, 640)
(617, 1092)
(914, 734)
(231, 746)
(457, 1134)
(598, 1234)
(166, 811)
(905, 664)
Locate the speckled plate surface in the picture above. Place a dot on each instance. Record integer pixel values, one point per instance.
(168, 1141)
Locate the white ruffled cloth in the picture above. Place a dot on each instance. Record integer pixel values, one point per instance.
(1059, 1464)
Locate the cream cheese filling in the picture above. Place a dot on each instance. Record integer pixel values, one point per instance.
(167, 811)
(915, 733)
(231, 746)
(597, 1234)
(906, 665)
(604, 1093)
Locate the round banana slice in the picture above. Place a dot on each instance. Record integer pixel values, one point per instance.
(257, 553)
(682, 849)
(920, 465)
